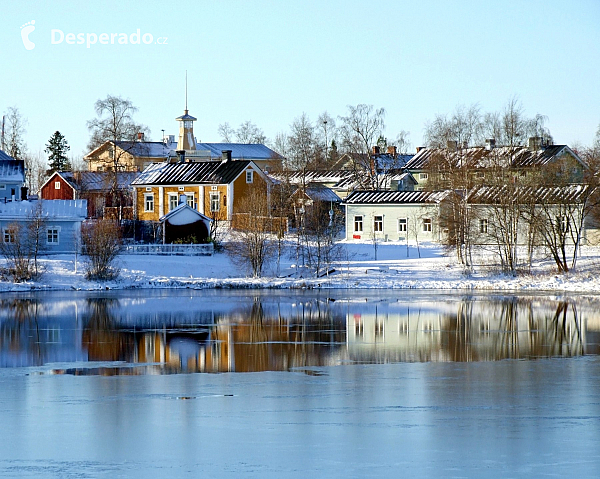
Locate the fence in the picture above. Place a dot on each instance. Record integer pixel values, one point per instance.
(169, 249)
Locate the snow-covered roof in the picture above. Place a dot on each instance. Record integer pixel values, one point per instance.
(12, 170)
(320, 193)
(98, 180)
(394, 197)
(5, 156)
(480, 157)
(548, 195)
(195, 172)
(183, 215)
(51, 209)
(240, 151)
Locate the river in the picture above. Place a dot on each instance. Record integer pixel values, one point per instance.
(296, 384)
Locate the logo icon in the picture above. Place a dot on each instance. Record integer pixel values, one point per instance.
(25, 31)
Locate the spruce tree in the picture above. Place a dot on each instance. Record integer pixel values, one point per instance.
(57, 148)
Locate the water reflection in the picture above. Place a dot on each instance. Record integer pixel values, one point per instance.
(173, 334)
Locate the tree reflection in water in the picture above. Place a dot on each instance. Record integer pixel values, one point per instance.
(260, 333)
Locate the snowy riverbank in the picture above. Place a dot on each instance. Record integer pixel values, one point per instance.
(393, 268)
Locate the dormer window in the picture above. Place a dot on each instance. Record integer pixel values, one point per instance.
(57, 185)
(249, 176)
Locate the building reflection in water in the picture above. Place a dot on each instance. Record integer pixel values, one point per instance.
(106, 335)
(472, 329)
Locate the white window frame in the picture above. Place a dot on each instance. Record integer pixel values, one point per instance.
(358, 221)
(215, 199)
(402, 225)
(427, 225)
(57, 185)
(423, 176)
(189, 200)
(2, 187)
(378, 224)
(483, 225)
(249, 176)
(55, 232)
(148, 200)
(173, 201)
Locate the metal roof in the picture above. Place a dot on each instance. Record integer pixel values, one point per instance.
(480, 157)
(148, 149)
(199, 172)
(394, 197)
(98, 180)
(547, 195)
(51, 209)
(240, 151)
(320, 193)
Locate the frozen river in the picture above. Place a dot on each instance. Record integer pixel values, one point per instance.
(387, 384)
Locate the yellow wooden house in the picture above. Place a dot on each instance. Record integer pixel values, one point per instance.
(216, 189)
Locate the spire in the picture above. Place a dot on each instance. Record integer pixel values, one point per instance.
(187, 140)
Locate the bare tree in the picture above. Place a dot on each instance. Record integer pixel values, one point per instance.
(101, 245)
(402, 142)
(115, 124)
(248, 132)
(22, 244)
(226, 132)
(252, 244)
(14, 141)
(302, 142)
(359, 132)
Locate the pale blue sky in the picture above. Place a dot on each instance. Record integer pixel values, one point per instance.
(269, 61)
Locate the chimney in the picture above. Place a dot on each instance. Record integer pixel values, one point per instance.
(225, 156)
(419, 148)
(140, 136)
(451, 145)
(392, 150)
(182, 199)
(181, 155)
(375, 150)
(490, 144)
(535, 143)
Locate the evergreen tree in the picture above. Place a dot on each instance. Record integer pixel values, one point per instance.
(57, 148)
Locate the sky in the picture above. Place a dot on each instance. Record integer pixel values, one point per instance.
(270, 61)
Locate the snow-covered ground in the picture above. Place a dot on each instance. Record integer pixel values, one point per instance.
(393, 268)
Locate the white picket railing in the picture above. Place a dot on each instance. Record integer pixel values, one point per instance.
(169, 249)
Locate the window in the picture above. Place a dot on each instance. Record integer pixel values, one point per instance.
(483, 225)
(378, 223)
(427, 225)
(149, 202)
(214, 202)
(173, 201)
(480, 174)
(181, 188)
(52, 235)
(358, 223)
(57, 185)
(9, 235)
(99, 168)
(224, 200)
(189, 200)
(402, 225)
(148, 188)
(2, 187)
(562, 222)
(249, 176)
(423, 176)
